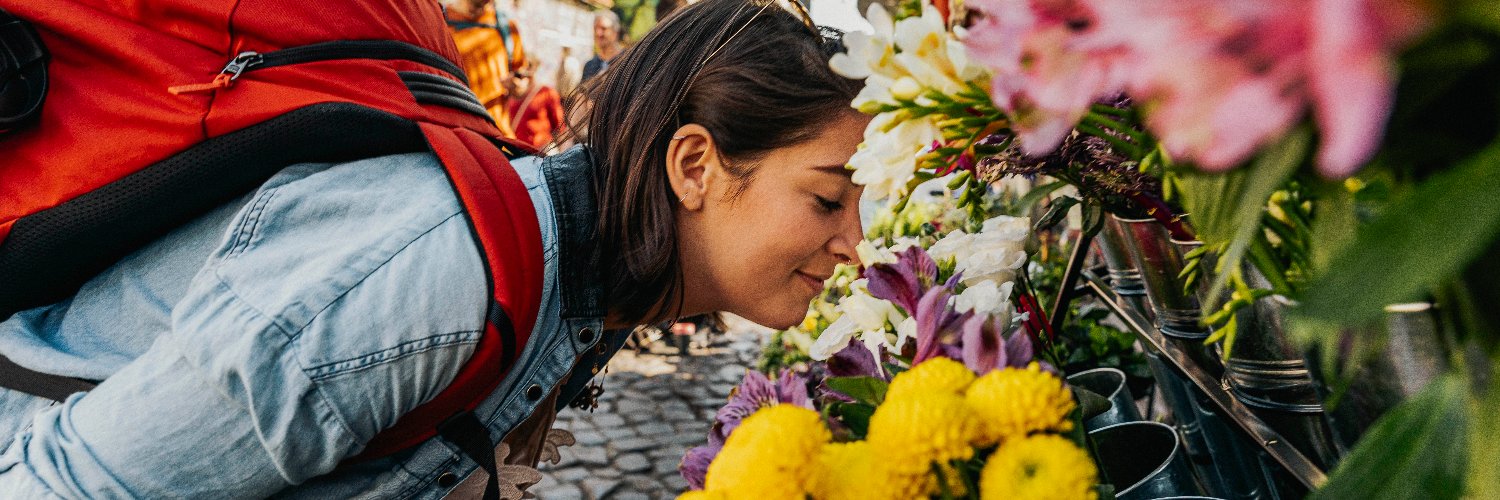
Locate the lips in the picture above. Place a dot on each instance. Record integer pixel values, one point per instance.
(814, 282)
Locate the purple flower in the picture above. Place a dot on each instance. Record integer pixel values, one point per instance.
(694, 466)
(935, 321)
(985, 347)
(756, 391)
(904, 282)
(855, 361)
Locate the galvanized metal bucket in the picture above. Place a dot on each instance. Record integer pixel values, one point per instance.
(1143, 460)
(1407, 353)
(1110, 383)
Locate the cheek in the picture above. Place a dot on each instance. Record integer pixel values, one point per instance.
(756, 252)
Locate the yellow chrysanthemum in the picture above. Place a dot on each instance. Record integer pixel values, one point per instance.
(770, 455)
(1015, 402)
(913, 432)
(702, 495)
(934, 375)
(1042, 467)
(852, 471)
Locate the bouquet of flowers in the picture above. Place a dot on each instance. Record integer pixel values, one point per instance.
(936, 430)
(1325, 143)
(924, 385)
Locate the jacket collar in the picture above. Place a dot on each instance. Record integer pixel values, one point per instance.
(574, 201)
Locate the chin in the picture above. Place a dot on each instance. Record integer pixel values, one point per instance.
(778, 319)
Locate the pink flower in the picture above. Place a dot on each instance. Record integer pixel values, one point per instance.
(1252, 68)
(1352, 77)
(1045, 74)
(1218, 79)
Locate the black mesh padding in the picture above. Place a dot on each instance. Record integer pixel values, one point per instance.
(50, 254)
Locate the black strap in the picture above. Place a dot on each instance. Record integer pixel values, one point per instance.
(473, 439)
(53, 387)
(51, 253)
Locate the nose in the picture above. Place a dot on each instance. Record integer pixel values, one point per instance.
(846, 237)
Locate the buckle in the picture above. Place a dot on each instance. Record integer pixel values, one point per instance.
(23, 73)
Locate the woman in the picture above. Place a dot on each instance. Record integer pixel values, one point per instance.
(256, 350)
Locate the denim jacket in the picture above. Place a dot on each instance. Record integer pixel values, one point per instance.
(252, 351)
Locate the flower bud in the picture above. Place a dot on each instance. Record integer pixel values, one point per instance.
(905, 89)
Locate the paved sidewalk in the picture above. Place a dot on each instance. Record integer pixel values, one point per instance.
(655, 406)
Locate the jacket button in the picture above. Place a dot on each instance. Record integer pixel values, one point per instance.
(586, 335)
(447, 480)
(534, 392)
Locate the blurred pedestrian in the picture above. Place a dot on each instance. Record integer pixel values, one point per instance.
(606, 43)
(535, 110)
(489, 48)
(569, 73)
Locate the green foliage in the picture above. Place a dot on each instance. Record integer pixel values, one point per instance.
(1088, 342)
(1227, 209)
(868, 390)
(1417, 243)
(854, 416)
(780, 352)
(1417, 451)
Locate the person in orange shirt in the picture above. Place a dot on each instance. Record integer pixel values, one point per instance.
(489, 46)
(536, 112)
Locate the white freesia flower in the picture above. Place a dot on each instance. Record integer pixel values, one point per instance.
(929, 58)
(862, 316)
(906, 88)
(924, 42)
(869, 254)
(868, 312)
(887, 161)
(906, 330)
(833, 339)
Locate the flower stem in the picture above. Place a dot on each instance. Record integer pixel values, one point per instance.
(1127, 148)
(1107, 109)
(1119, 127)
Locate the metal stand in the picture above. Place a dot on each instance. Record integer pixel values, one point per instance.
(1297, 464)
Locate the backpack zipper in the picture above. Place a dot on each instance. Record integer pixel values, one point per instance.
(326, 51)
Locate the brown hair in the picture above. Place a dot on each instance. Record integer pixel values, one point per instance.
(764, 83)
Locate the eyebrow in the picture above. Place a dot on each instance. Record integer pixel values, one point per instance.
(840, 169)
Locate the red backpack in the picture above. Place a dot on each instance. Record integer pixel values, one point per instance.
(156, 112)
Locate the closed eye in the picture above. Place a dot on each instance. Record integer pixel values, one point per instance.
(828, 205)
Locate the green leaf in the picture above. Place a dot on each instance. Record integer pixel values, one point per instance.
(1482, 13)
(1037, 194)
(1416, 243)
(868, 390)
(1238, 218)
(1055, 213)
(1417, 451)
(1333, 227)
(1483, 480)
(855, 416)
(1090, 404)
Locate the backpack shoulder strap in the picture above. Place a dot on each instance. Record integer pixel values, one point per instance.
(506, 230)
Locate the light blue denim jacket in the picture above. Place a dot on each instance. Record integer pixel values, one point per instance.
(249, 353)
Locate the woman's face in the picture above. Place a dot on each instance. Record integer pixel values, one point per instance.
(761, 247)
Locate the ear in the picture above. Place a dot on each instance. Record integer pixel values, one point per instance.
(692, 165)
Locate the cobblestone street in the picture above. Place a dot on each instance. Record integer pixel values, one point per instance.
(655, 406)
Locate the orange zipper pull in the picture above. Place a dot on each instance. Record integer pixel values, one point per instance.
(240, 63)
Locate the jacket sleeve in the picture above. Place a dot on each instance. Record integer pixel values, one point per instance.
(299, 340)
